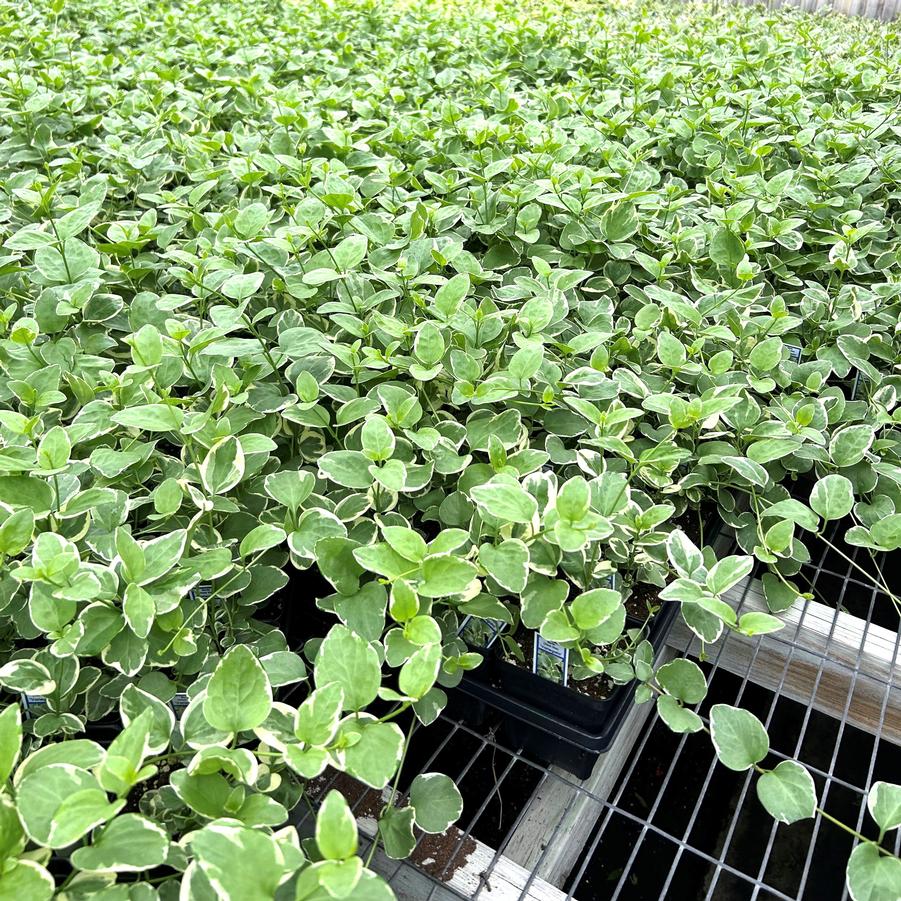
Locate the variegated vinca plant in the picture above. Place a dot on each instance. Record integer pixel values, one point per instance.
(465, 311)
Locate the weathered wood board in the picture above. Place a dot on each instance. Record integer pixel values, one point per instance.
(828, 659)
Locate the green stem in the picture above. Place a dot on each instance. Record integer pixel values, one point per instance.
(375, 838)
(878, 583)
(850, 831)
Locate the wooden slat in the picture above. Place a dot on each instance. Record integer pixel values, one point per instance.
(506, 882)
(814, 637)
(538, 842)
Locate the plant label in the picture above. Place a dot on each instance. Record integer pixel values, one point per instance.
(33, 706)
(480, 633)
(550, 660)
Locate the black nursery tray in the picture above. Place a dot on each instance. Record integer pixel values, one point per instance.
(548, 721)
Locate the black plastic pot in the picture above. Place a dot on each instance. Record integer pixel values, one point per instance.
(549, 722)
(293, 609)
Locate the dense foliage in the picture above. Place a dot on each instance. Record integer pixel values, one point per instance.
(468, 310)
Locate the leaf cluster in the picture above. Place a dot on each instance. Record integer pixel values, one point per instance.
(469, 311)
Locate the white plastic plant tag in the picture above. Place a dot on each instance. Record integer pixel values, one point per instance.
(33, 706)
(480, 633)
(550, 660)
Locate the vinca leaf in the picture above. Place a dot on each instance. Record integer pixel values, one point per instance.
(738, 737)
(787, 792)
(238, 694)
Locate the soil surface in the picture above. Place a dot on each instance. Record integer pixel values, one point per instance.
(644, 601)
(142, 788)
